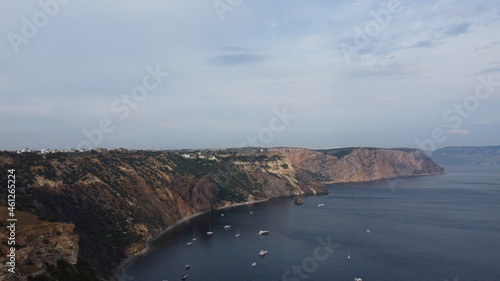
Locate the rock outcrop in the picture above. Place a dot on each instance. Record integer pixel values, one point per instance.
(361, 164)
(39, 245)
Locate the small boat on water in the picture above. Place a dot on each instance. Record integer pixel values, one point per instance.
(263, 232)
(358, 279)
(262, 253)
(210, 232)
(227, 226)
(194, 239)
(237, 234)
(184, 277)
(368, 231)
(187, 266)
(298, 200)
(321, 205)
(189, 243)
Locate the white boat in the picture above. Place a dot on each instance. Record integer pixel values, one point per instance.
(263, 232)
(367, 231)
(262, 253)
(189, 243)
(184, 277)
(358, 279)
(227, 226)
(321, 205)
(187, 266)
(194, 239)
(254, 264)
(251, 213)
(210, 232)
(237, 234)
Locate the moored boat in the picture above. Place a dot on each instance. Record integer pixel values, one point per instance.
(263, 232)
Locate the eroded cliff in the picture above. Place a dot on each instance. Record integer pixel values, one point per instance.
(361, 164)
(118, 201)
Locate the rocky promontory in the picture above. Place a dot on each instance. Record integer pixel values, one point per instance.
(97, 208)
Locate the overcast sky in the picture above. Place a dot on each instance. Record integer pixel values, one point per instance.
(172, 74)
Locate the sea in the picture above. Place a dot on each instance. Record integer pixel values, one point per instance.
(441, 227)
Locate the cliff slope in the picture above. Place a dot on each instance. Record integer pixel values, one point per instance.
(120, 200)
(113, 203)
(361, 164)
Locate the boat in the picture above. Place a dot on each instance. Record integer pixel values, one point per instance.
(358, 279)
(367, 231)
(251, 213)
(237, 234)
(298, 200)
(184, 277)
(210, 232)
(189, 243)
(321, 205)
(348, 255)
(262, 253)
(254, 264)
(263, 232)
(187, 266)
(194, 239)
(227, 226)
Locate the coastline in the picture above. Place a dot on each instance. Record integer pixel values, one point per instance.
(121, 267)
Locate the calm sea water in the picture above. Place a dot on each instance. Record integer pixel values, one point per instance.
(444, 227)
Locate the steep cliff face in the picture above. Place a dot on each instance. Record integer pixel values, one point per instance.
(361, 164)
(119, 201)
(39, 245)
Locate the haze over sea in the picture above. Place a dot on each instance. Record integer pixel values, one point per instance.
(443, 227)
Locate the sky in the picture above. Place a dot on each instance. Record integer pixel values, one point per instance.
(172, 74)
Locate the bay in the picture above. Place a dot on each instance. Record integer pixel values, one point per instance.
(443, 227)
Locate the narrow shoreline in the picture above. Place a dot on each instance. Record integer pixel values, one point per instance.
(121, 267)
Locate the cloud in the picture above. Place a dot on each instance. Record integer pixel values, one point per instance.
(458, 132)
(237, 59)
(422, 44)
(457, 29)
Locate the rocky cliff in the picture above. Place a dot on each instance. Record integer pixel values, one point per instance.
(120, 200)
(40, 246)
(360, 164)
(117, 201)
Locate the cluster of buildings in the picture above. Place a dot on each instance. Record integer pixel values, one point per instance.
(199, 155)
(70, 150)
